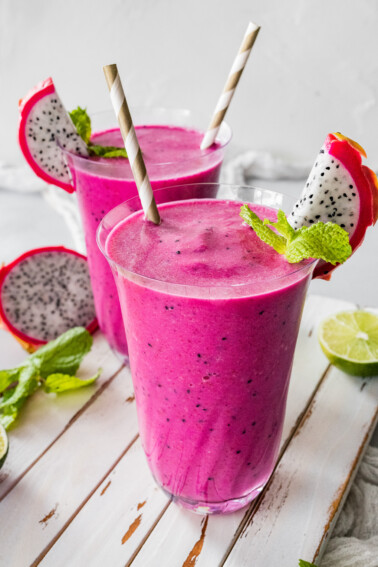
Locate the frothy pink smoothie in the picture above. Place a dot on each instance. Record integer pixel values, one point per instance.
(211, 327)
(172, 156)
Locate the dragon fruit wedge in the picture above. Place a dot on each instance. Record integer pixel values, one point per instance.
(339, 189)
(45, 292)
(44, 129)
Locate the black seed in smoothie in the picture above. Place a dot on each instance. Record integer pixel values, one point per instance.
(204, 409)
(244, 431)
(198, 405)
(199, 356)
(210, 478)
(178, 252)
(205, 378)
(253, 423)
(168, 446)
(159, 386)
(149, 344)
(283, 323)
(183, 420)
(178, 240)
(249, 381)
(167, 307)
(171, 307)
(168, 419)
(237, 452)
(211, 429)
(224, 338)
(261, 312)
(188, 391)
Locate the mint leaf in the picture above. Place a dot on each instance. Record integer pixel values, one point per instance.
(263, 232)
(57, 362)
(282, 225)
(325, 241)
(82, 123)
(106, 151)
(7, 377)
(303, 563)
(63, 382)
(64, 354)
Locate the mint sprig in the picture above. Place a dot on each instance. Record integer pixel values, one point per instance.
(303, 563)
(82, 123)
(52, 367)
(323, 241)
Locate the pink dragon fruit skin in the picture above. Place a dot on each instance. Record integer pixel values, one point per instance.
(45, 292)
(44, 128)
(339, 189)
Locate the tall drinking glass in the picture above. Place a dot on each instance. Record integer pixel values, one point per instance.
(170, 142)
(211, 316)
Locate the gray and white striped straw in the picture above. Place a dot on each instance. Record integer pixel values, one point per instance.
(231, 84)
(130, 139)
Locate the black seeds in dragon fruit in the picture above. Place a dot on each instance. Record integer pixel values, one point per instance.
(327, 184)
(53, 295)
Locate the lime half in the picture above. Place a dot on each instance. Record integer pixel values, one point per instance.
(3, 445)
(350, 341)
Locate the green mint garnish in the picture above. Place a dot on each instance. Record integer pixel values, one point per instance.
(82, 123)
(106, 151)
(53, 367)
(323, 241)
(62, 382)
(303, 563)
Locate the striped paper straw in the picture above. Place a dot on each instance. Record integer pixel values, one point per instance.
(134, 153)
(231, 84)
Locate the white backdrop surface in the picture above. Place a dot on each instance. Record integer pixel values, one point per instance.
(314, 67)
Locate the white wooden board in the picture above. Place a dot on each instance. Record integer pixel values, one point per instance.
(76, 489)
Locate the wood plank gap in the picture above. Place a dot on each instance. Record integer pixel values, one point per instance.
(338, 503)
(65, 428)
(137, 550)
(41, 556)
(255, 504)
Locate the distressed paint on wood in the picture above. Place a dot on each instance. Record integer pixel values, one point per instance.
(46, 416)
(123, 509)
(126, 507)
(66, 475)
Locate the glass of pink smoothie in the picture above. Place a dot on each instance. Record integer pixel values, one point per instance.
(170, 141)
(211, 316)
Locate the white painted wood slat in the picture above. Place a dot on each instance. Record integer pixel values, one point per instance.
(299, 508)
(54, 489)
(126, 505)
(45, 416)
(90, 499)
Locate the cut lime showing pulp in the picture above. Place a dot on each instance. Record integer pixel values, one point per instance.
(350, 342)
(3, 445)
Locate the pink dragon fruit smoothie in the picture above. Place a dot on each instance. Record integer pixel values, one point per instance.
(172, 155)
(211, 316)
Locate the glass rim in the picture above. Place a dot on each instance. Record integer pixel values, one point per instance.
(302, 268)
(160, 109)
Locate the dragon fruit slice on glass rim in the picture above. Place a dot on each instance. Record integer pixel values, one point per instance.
(44, 128)
(339, 189)
(45, 292)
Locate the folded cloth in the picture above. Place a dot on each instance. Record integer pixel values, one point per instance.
(261, 165)
(354, 542)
